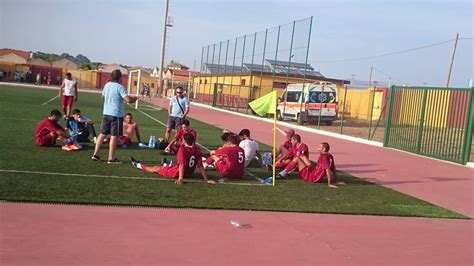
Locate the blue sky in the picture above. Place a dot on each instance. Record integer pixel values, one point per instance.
(129, 32)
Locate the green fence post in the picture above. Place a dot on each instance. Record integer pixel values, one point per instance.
(422, 121)
(468, 133)
(388, 123)
(214, 96)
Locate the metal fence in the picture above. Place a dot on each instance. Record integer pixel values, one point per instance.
(435, 122)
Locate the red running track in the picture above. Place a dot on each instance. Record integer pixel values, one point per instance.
(40, 234)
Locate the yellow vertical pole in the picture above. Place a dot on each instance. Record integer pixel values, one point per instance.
(274, 140)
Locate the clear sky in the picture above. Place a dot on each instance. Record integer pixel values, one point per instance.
(129, 32)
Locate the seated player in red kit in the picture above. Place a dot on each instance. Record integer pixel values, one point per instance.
(229, 160)
(188, 157)
(286, 162)
(178, 139)
(325, 166)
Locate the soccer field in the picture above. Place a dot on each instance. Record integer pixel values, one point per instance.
(32, 174)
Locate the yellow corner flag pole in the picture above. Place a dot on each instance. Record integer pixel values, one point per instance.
(274, 142)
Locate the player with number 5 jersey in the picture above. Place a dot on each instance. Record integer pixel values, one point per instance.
(229, 160)
(188, 158)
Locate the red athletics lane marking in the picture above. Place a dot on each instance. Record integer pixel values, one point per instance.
(445, 184)
(43, 234)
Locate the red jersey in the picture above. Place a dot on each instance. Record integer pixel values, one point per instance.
(45, 127)
(180, 133)
(232, 163)
(189, 156)
(315, 173)
(298, 151)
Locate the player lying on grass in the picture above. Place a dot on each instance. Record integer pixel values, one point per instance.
(188, 157)
(229, 159)
(178, 139)
(130, 129)
(325, 166)
(48, 130)
(286, 162)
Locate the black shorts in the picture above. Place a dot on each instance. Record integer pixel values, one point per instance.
(111, 125)
(174, 122)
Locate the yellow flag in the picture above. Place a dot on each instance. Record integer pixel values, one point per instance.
(265, 104)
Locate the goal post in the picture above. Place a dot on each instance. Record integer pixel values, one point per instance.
(131, 85)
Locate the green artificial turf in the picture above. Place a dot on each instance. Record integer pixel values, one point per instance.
(32, 174)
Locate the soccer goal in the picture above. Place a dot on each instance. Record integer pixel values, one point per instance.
(134, 84)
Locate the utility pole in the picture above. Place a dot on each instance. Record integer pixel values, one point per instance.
(452, 60)
(370, 76)
(163, 43)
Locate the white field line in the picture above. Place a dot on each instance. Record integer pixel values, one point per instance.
(204, 147)
(115, 177)
(17, 119)
(50, 100)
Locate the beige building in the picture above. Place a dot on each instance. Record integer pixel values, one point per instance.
(12, 58)
(38, 62)
(111, 67)
(64, 63)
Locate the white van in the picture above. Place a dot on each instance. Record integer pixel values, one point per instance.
(316, 101)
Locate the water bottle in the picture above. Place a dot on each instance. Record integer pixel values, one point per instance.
(235, 224)
(143, 145)
(150, 142)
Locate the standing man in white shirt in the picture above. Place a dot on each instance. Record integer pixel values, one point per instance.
(177, 111)
(249, 146)
(68, 93)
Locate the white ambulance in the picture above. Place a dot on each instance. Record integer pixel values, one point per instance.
(316, 101)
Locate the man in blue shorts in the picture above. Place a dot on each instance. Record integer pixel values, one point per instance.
(114, 95)
(177, 111)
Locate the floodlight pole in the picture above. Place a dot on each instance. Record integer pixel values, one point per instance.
(163, 42)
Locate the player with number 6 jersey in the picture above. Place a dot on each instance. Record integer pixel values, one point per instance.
(188, 158)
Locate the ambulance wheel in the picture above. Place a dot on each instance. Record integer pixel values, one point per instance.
(279, 117)
(299, 119)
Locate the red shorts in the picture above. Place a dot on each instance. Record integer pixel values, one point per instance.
(124, 140)
(312, 174)
(224, 169)
(46, 141)
(169, 171)
(67, 100)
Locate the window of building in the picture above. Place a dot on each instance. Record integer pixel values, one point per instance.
(279, 85)
(242, 82)
(205, 81)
